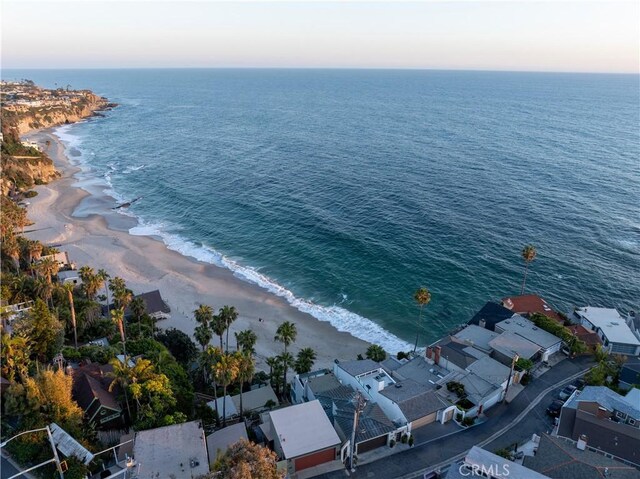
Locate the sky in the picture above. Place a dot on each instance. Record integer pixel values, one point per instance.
(522, 36)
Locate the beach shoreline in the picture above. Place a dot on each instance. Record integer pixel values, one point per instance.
(102, 240)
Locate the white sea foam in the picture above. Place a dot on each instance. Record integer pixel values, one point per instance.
(340, 318)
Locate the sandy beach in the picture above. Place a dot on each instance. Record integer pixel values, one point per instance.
(102, 241)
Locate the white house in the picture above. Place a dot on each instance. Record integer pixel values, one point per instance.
(617, 337)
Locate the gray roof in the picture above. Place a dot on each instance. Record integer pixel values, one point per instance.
(560, 459)
(483, 458)
(415, 400)
(474, 335)
(527, 329)
(490, 370)
(509, 344)
(318, 384)
(391, 364)
(421, 371)
(372, 423)
(219, 441)
(455, 352)
(153, 302)
(357, 367)
(255, 399)
(606, 398)
(475, 387)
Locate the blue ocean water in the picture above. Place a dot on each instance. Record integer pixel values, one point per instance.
(345, 191)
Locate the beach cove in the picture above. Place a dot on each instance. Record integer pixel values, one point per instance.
(102, 241)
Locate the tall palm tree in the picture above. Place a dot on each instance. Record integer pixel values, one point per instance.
(228, 314)
(43, 289)
(122, 376)
(117, 316)
(272, 362)
(86, 275)
(528, 255)
(246, 340)
(246, 370)
(137, 308)
(227, 372)
(104, 277)
(218, 326)
(69, 289)
(48, 268)
(304, 360)
(210, 359)
(202, 335)
(286, 334)
(203, 315)
(422, 297)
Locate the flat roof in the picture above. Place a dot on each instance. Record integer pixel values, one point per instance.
(303, 429)
(490, 370)
(528, 330)
(255, 399)
(611, 323)
(474, 335)
(509, 344)
(357, 367)
(172, 451)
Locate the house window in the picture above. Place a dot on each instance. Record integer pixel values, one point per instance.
(621, 415)
(632, 422)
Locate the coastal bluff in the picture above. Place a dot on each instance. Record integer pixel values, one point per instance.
(27, 107)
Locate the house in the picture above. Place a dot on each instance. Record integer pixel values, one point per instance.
(225, 406)
(630, 375)
(528, 304)
(303, 436)
(548, 343)
(479, 394)
(588, 337)
(69, 276)
(479, 462)
(219, 441)
(559, 458)
(62, 258)
(611, 327)
(91, 391)
(154, 305)
(179, 450)
(476, 337)
(490, 315)
(408, 403)
(256, 399)
(451, 355)
(491, 371)
(603, 419)
(508, 345)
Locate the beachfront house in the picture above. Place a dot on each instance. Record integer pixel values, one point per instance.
(611, 327)
(255, 400)
(548, 343)
(69, 276)
(62, 258)
(529, 304)
(219, 441)
(490, 315)
(509, 346)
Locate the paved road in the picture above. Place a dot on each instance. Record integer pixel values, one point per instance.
(7, 469)
(500, 416)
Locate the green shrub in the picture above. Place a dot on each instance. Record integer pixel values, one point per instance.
(411, 440)
(392, 443)
(404, 438)
(468, 421)
(504, 453)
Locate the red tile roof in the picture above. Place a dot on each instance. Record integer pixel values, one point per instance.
(530, 303)
(590, 338)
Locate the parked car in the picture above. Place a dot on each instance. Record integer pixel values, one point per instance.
(579, 383)
(554, 408)
(566, 392)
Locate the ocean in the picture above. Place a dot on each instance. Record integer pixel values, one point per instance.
(346, 190)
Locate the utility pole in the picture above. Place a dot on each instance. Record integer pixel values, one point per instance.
(359, 403)
(514, 360)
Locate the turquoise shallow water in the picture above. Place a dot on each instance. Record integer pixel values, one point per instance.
(344, 191)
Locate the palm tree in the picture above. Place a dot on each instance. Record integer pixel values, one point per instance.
(69, 289)
(209, 361)
(286, 334)
(228, 314)
(218, 326)
(422, 297)
(202, 335)
(43, 289)
(246, 340)
(48, 268)
(117, 316)
(203, 315)
(272, 362)
(12, 249)
(227, 372)
(246, 370)
(104, 276)
(376, 353)
(304, 361)
(117, 286)
(90, 282)
(528, 255)
(122, 376)
(137, 308)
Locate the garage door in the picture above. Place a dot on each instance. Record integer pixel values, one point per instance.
(423, 421)
(314, 459)
(370, 444)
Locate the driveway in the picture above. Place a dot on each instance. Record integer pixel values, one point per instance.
(446, 449)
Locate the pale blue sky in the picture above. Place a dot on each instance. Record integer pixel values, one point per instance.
(538, 36)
